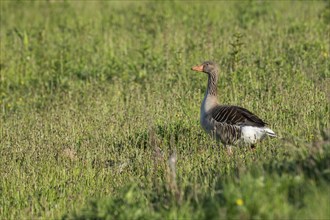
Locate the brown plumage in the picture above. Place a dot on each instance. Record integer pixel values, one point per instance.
(235, 115)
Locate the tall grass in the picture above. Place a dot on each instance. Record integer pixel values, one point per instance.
(100, 111)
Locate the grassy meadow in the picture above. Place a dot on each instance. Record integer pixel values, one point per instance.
(100, 110)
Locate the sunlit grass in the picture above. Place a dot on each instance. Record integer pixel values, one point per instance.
(96, 97)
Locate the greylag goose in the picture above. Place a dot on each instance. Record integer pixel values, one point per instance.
(231, 125)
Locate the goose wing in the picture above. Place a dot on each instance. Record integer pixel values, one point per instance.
(235, 115)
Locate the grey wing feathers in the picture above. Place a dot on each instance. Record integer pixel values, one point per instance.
(227, 133)
(235, 115)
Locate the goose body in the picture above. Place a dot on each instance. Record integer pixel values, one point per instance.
(231, 125)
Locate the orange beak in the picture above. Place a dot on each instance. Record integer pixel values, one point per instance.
(197, 68)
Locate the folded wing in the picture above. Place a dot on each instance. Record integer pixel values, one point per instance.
(235, 115)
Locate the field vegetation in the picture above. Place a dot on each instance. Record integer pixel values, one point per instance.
(100, 110)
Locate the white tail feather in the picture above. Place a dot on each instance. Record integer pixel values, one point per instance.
(270, 132)
(252, 134)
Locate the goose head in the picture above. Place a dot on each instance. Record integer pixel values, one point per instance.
(207, 67)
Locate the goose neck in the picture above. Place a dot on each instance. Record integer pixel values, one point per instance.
(212, 84)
